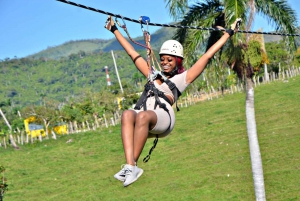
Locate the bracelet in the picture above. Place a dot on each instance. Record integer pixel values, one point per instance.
(230, 32)
(136, 58)
(113, 28)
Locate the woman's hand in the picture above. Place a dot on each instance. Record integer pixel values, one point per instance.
(236, 25)
(110, 24)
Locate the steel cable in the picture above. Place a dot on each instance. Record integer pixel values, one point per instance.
(170, 25)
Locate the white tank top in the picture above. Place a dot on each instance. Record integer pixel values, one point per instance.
(180, 82)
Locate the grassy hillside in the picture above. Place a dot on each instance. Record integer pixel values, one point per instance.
(70, 69)
(205, 158)
(71, 47)
(26, 81)
(98, 45)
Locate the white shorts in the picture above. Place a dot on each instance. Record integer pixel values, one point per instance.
(165, 121)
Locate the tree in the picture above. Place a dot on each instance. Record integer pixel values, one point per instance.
(278, 54)
(215, 12)
(297, 57)
(48, 114)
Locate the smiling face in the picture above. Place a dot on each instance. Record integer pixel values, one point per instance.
(168, 63)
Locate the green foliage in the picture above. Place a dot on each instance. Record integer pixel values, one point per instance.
(278, 54)
(254, 53)
(3, 182)
(297, 57)
(231, 80)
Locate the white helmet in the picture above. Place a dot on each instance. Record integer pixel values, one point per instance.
(172, 47)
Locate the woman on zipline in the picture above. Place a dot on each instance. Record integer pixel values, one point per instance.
(153, 114)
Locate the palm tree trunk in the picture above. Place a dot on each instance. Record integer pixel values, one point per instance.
(256, 162)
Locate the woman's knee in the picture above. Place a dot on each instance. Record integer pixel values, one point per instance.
(145, 117)
(128, 115)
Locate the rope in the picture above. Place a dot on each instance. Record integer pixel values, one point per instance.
(169, 25)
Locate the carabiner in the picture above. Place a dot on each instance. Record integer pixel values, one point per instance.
(144, 20)
(124, 24)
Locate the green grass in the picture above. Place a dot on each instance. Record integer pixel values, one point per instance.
(205, 158)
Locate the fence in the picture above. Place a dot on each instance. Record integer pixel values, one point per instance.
(211, 94)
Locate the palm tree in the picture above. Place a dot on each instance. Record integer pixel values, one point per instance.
(211, 13)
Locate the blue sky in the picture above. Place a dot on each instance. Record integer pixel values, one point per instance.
(29, 26)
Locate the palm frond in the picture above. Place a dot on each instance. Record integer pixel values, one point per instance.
(279, 14)
(177, 8)
(203, 14)
(235, 9)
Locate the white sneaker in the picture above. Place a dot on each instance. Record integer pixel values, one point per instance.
(132, 174)
(121, 174)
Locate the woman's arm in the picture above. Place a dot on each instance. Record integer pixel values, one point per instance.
(200, 65)
(140, 63)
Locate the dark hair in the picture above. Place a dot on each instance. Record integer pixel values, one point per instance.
(179, 65)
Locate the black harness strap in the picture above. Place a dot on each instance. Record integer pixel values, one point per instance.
(175, 91)
(151, 90)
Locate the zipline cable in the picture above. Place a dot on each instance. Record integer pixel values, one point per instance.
(169, 25)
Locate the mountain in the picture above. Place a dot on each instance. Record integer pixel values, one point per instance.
(98, 45)
(274, 38)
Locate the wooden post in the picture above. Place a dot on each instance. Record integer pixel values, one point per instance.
(105, 121)
(112, 121)
(53, 135)
(83, 126)
(18, 139)
(279, 71)
(13, 142)
(31, 138)
(70, 127)
(22, 138)
(96, 121)
(88, 125)
(27, 138)
(75, 127)
(40, 137)
(266, 73)
(4, 142)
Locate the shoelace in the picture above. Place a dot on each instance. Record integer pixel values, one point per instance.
(128, 171)
(123, 171)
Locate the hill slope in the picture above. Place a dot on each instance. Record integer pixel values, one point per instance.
(205, 158)
(98, 45)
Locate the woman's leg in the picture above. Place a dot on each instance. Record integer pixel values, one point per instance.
(144, 121)
(128, 123)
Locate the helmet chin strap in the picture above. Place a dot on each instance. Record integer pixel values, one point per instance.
(174, 71)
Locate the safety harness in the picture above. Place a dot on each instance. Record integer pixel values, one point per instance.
(149, 91)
